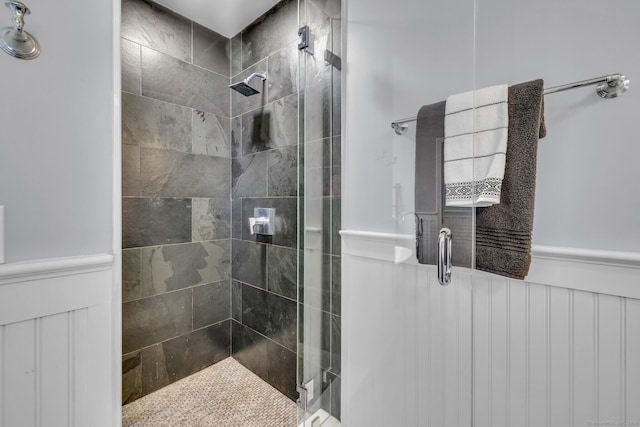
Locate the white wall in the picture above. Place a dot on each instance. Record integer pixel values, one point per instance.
(398, 357)
(56, 115)
(405, 54)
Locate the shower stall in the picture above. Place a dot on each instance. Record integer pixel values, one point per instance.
(231, 200)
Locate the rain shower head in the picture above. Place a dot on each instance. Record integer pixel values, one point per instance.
(244, 88)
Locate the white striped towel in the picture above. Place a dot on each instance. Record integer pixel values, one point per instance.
(475, 146)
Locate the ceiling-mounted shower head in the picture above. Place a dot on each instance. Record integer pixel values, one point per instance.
(244, 88)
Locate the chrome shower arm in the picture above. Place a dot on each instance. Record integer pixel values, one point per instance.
(254, 75)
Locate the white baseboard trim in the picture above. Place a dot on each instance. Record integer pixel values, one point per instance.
(599, 271)
(53, 267)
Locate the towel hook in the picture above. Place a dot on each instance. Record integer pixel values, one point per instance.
(14, 40)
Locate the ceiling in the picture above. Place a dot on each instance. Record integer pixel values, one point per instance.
(226, 17)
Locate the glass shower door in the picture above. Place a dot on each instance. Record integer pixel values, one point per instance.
(319, 309)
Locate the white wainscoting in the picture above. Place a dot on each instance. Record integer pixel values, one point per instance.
(55, 342)
(544, 354)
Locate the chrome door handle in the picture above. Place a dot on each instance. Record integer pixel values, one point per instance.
(444, 257)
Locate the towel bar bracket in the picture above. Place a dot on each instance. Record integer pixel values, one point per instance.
(400, 127)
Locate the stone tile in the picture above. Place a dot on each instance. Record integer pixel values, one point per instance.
(336, 225)
(236, 54)
(273, 126)
(240, 104)
(317, 182)
(250, 175)
(336, 166)
(336, 111)
(236, 137)
(172, 80)
(286, 219)
(205, 347)
(270, 361)
(317, 115)
(131, 66)
(211, 304)
(168, 268)
(282, 174)
(154, 369)
(150, 123)
(131, 270)
(336, 285)
(211, 219)
(249, 262)
(236, 218)
(168, 174)
(283, 73)
(211, 134)
(155, 221)
(130, 170)
(282, 271)
(331, 224)
(236, 301)
(336, 398)
(131, 377)
(271, 315)
(151, 320)
(336, 349)
(211, 50)
(275, 29)
(331, 7)
(317, 280)
(153, 26)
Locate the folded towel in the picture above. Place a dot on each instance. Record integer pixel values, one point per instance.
(428, 183)
(503, 231)
(475, 131)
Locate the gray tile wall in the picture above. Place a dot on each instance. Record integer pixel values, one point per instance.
(267, 169)
(176, 154)
(197, 286)
(264, 168)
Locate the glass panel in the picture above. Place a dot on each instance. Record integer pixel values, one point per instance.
(409, 356)
(320, 74)
(553, 349)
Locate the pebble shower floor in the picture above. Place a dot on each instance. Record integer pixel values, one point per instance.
(223, 395)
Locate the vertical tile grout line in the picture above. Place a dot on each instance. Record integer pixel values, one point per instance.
(571, 359)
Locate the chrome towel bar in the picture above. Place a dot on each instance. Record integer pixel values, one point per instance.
(609, 86)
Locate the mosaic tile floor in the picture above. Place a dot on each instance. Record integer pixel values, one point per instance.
(224, 395)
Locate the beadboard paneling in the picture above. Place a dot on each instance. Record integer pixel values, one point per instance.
(510, 352)
(55, 344)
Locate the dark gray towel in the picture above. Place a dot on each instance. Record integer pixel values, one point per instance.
(503, 231)
(428, 183)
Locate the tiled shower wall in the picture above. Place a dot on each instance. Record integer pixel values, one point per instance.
(176, 198)
(265, 161)
(268, 171)
(193, 153)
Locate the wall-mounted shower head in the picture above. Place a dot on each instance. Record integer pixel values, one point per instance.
(244, 88)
